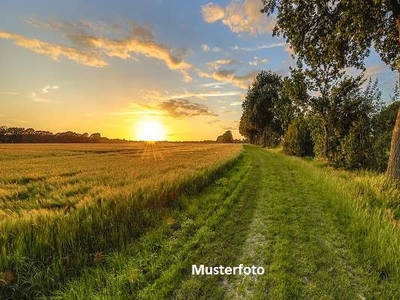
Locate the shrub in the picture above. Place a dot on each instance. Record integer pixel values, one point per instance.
(356, 149)
(297, 140)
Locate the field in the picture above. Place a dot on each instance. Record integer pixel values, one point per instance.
(129, 221)
(63, 207)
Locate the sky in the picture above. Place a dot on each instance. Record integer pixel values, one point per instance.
(111, 66)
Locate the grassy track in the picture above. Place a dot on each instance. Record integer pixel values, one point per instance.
(301, 237)
(306, 232)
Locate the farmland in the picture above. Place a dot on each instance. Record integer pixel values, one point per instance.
(61, 205)
(55, 176)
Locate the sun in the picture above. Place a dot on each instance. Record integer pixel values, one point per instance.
(150, 131)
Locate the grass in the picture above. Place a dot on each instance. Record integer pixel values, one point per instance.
(326, 240)
(301, 222)
(158, 265)
(64, 207)
(319, 233)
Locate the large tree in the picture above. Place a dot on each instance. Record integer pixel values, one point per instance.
(343, 32)
(259, 122)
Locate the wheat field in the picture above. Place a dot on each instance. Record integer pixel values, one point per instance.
(63, 204)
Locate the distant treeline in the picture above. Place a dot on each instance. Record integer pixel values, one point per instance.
(30, 135)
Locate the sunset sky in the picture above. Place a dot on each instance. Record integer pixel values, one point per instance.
(107, 66)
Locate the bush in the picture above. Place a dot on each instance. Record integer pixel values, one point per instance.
(297, 140)
(356, 149)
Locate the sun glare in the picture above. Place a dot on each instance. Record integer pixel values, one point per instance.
(150, 131)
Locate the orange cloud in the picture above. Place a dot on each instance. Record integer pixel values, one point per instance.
(182, 108)
(216, 64)
(55, 51)
(212, 12)
(125, 47)
(241, 16)
(229, 76)
(89, 46)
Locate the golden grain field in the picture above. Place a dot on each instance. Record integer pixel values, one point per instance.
(53, 176)
(63, 204)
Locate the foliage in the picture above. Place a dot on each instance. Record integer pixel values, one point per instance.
(337, 31)
(226, 137)
(356, 148)
(341, 33)
(264, 111)
(298, 140)
(382, 126)
(30, 135)
(294, 99)
(337, 106)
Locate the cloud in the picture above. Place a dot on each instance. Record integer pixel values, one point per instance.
(229, 76)
(89, 47)
(236, 103)
(154, 95)
(182, 108)
(214, 84)
(18, 121)
(186, 77)
(212, 12)
(55, 51)
(261, 47)
(71, 27)
(257, 61)
(9, 93)
(241, 16)
(228, 127)
(374, 70)
(216, 64)
(43, 100)
(46, 89)
(289, 50)
(141, 112)
(139, 109)
(207, 48)
(140, 41)
(204, 74)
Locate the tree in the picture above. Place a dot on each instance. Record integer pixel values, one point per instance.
(225, 138)
(295, 88)
(343, 32)
(95, 137)
(259, 122)
(335, 105)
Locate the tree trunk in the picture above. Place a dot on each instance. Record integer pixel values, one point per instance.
(264, 138)
(326, 140)
(393, 169)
